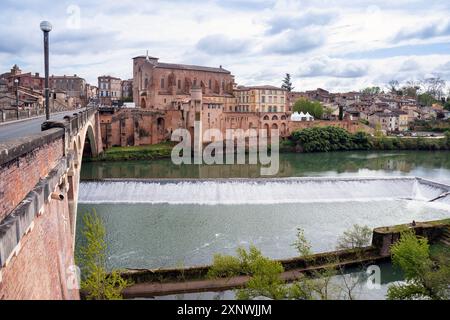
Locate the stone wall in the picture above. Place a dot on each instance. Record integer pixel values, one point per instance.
(384, 238)
(350, 126)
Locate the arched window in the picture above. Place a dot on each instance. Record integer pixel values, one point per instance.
(274, 118)
(266, 118)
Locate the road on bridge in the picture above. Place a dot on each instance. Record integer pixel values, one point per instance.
(23, 128)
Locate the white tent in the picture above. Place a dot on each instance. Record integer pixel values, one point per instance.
(296, 117)
(301, 117)
(309, 117)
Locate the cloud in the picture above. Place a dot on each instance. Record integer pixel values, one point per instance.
(409, 65)
(428, 31)
(280, 23)
(221, 44)
(292, 42)
(327, 67)
(343, 44)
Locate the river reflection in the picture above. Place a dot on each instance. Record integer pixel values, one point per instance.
(431, 165)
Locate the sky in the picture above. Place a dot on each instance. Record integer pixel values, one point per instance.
(338, 45)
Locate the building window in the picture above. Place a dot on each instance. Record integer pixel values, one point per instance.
(263, 99)
(210, 84)
(179, 84)
(162, 83)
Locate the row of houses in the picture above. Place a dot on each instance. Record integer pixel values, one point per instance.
(388, 112)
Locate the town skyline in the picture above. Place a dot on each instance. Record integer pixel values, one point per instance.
(319, 47)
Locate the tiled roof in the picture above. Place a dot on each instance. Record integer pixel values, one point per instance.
(263, 87)
(190, 67)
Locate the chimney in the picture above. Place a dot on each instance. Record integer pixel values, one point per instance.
(37, 74)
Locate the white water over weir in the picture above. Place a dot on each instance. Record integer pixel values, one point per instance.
(261, 191)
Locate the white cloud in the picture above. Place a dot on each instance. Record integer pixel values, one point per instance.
(259, 41)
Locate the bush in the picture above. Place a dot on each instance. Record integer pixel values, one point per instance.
(425, 278)
(96, 283)
(325, 139)
(225, 267)
(314, 108)
(356, 238)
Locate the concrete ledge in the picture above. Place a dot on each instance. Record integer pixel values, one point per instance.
(24, 215)
(8, 238)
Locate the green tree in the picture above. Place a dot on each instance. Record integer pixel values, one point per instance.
(425, 279)
(314, 108)
(323, 139)
(447, 105)
(287, 83)
(426, 99)
(341, 113)
(371, 90)
(447, 138)
(96, 283)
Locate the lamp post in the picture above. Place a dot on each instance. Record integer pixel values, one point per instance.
(16, 82)
(46, 27)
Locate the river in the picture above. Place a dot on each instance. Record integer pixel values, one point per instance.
(157, 225)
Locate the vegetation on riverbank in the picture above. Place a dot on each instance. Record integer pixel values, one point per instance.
(151, 152)
(431, 125)
(316, 139)
(96, 282)
(426, 271)
(326, 139)
(266, 276)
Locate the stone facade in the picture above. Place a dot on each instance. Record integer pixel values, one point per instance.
(73, 86)
(261, 99)
(109, 90)
(164, 86)
(133, 127)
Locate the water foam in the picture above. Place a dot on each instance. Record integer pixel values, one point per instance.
(259, 191)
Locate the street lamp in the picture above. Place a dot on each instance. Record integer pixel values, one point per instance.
(16, 82)
(46, 27)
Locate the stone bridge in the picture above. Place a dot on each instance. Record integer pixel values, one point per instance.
(39, 180)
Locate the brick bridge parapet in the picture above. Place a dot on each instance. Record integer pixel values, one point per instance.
(39, 178)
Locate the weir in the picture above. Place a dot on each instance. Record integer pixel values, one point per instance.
(262, 191)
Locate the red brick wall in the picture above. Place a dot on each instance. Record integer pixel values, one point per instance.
(347, 125)
(40, 269)
(21, 175)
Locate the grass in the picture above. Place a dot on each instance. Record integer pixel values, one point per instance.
(440, 250)
(150, 152)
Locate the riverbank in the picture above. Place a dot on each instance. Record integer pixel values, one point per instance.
(150, 152)
(162, 282)
(311, 140)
